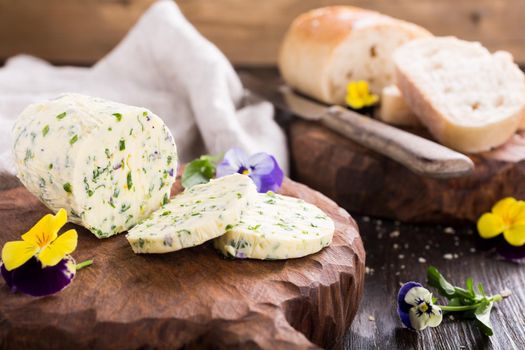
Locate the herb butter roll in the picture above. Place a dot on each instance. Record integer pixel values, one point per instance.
(108, 164)
(274, 226)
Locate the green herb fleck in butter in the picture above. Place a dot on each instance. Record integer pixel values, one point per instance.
(67, 187)
(45, 130)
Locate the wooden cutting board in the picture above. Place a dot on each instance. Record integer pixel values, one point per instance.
(193, 298)
(364, 182)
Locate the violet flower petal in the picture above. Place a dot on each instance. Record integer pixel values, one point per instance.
(267, 174)
(263, 169)
(233, 161)
(261, 163)
(32, 279)
(402, 306)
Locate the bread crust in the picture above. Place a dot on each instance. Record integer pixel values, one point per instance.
(313, 39)
(468, 139)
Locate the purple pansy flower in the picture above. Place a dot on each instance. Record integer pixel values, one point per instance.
(261, 167)
(33, 279)
(415, 307)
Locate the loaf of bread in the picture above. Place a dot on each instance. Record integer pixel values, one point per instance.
(469, 99)
(326, 48)
(394, 110)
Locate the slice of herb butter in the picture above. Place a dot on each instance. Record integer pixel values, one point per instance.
(198, 214)
(108, 164)
(277, 227)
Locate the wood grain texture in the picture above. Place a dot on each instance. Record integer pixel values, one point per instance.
(365, 182)
(193, 298)
(392, 260)
(66, 31)
(248, 31)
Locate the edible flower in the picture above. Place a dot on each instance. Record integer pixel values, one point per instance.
(507, 218)
(358, 95)
(261, 167)
(40, 263)
(415, 307)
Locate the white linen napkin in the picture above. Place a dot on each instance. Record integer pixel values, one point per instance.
(162, 64)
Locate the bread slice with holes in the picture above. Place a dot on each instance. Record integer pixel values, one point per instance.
(469, 99)
(326, 48)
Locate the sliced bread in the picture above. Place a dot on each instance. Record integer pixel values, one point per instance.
(326, 48)
(469, 99)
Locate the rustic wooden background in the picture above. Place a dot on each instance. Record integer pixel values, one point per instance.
(248, 31)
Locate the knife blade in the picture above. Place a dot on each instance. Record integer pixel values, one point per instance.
(418, 154)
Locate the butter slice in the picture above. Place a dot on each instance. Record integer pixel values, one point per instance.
(199, 214)
(277, 227)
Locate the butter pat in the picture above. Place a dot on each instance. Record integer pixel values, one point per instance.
(394, 110)
(277, 227)
(199, 214)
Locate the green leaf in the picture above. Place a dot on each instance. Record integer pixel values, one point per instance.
(481, 290)
(199, 171)
(470, 286)
(455, 302)
(436, 280)
(482, 315)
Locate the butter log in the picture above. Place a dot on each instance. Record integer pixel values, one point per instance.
(108, 164)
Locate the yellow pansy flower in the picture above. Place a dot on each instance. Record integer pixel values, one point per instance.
(507, 217)
(358, 95)
(42, 242)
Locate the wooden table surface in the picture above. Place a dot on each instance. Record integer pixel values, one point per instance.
(394, 259)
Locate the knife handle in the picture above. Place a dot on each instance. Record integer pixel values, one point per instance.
(420, 155)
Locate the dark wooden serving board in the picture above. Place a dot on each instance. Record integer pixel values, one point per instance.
(365, 182)
(193, 298)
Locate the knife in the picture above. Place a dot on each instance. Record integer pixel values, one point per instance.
(418, 154)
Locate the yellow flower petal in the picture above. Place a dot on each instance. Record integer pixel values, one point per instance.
(45, 230)
(36, 233)
(358, 95)
(515, 235)
(362, 87)
(371, 99)
(490, 225)
(65, 244)
(352, 97)
(17, 253)
(504, 207)
(519, 214)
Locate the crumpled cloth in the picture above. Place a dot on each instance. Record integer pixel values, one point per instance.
(165, 65)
